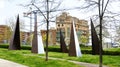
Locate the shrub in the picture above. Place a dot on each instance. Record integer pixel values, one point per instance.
(4, 46)
(111, 52)
(23, 47)
(85, 50)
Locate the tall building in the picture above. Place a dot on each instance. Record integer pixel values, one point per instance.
(5, 33)
(64, 22)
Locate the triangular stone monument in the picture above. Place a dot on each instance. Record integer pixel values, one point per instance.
(15, 40)
(74, 48)
(40, 45)
(95, 40)
(63, 46)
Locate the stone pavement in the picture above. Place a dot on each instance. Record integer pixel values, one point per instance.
(76, 62)
(6, 63)
(86, 64)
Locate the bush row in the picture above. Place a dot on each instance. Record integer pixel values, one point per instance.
(54, 49)
(23, 47)
(105, 52)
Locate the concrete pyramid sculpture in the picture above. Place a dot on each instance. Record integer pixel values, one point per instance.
(40, 45)
(63, 46)
(74, 48)
(95, 40)
(15, 40)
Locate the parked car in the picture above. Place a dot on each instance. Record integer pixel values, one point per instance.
(115, 45)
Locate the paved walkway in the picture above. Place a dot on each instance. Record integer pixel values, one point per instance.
(76, 62)
(86, 64)
(6, 63)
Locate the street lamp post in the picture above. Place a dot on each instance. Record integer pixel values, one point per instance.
(34, 42)
(30, 22)
(47, 20)
(26, 15)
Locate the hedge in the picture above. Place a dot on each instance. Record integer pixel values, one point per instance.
(54, 49)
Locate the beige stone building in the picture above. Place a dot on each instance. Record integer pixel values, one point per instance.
(64, 22)
(25, 38)
(52, 36)
(5, 33)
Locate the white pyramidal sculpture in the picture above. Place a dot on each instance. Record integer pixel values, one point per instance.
(77, 47)
(40, 45)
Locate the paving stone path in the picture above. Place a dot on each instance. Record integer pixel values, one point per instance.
(76, 62)
(6, 63)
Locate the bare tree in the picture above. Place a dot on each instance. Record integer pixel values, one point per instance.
(12, 21)
(47, 10)
(107, 18)
(102, 6)
(110, 16)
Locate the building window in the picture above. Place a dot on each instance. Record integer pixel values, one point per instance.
(76, 29)
(62, 24)
(58, 25)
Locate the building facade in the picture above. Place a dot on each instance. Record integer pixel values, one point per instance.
(25, 37)
(52, 36)
(5, 34)
(64, 22)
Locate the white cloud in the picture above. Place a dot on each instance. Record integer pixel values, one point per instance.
(2, 4)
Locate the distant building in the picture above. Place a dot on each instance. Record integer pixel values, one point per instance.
(52, 36)
(64, 22)
(5, 34)
(25, 37)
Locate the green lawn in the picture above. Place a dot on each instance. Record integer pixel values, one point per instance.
(112, 61)
(25, 57)
(109, 60)
(54, 51)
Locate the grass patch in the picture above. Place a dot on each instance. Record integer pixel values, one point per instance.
(110, 57)
(25, 57)
(112, 61)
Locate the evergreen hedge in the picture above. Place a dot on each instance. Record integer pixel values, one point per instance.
(84, 50)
